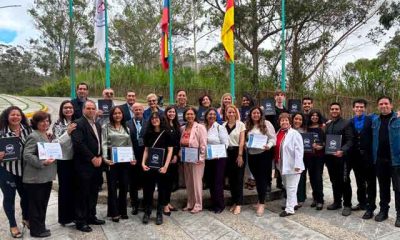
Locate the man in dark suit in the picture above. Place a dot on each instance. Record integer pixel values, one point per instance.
(360, 160)
(86, 140)
(82, 92)
(127, 107)
(136, 128)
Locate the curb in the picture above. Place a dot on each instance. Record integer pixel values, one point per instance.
(43, 109)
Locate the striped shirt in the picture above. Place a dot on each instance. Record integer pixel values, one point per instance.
(15, 167)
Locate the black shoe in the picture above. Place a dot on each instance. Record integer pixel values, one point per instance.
(313, 204)
(96, 221)
(124, 217)
(116, 219)
(397, 223)
(167, 213)
(298, 206)
(159, 219)
(382, 216)
(334, 206)
(84, 228)
(319, 206)
(42, 234)
(218, 211)
(145, 219)
(285, 214)
(346, 211)
(368, 215)
(135, 210)
(283, 207)
(358, 207)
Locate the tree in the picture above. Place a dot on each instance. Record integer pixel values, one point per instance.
(52, 47)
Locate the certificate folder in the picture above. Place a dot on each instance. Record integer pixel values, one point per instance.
(216, 151)
(189, 155)
(268, 105)
(11, 148)
(122, 154)
(155, 158)
(308, 140)
(333, 143)
(294, 105)
(105, 105)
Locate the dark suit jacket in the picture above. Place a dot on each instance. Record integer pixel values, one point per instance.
(138, 150)
(85, 145)
(126, 112)
(363, 139)
(78, 106)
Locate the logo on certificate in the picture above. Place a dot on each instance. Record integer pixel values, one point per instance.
(155, 159)
(332, 144)
(10, 149)
(307, 141)
(105, 108)
(295, 107)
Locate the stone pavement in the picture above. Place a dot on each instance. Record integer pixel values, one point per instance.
(27, 105)
(307, 223)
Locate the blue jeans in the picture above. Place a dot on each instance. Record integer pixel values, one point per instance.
(9, 184)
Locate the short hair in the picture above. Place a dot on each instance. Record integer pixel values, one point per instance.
(88, 101)
(384, 97)
(234, 108)
(180, 90)
(38, 117)
(188, 109)
(279, 91)
(286, 115)
(61, 116)
(151, 95)
(335, 103)
(202, 97)
(360, 101)
(82, 83)
(128, 91)
(307, 98)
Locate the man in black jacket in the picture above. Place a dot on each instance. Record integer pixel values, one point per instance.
(360, 160)
(86, 140)
(136, 128)
(127, 107)
(337, 163)
(82, 92)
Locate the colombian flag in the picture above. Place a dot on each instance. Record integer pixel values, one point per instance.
(164, 35)
(227, 31)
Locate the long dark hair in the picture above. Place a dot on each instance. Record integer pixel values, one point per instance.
(303, 124)
(5, 114)
(61, 116)
(175, 123)
(251, 100)
(111, 117)
(150, 128)
(261, 124)
(205, 115)
(312, 112)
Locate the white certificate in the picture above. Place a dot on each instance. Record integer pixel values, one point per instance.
(122, 154)
(257, 141)
(49, 150)
(216, 151)
(190, 155)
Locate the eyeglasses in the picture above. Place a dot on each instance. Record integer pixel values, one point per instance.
(109, 93)
(67, 107)
(153, 100)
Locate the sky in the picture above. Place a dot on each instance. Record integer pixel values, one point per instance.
(17, 27)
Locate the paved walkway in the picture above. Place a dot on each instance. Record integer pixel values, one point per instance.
(27, 105)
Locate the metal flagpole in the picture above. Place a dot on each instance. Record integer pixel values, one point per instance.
(108, 83)
(232, 64)
(170, 56)
(71, 49)
(283, 50)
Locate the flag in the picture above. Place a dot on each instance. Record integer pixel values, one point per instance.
(227, 31)
(100, 29)
(164, 35)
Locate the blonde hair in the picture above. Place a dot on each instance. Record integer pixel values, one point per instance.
(224, 96)
(234, 108)
(151, 95)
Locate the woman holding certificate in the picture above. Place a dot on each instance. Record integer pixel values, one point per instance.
(39, 174)
(62, 130)
(156, 158)
(217, 142)
(289, 152)
(260, 134)
(118, 154)
(13, 125)
(193, 141)
(236, 161)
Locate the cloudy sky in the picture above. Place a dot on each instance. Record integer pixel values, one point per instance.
(17, 27)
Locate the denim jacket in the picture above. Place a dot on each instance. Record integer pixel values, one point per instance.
(394, 138)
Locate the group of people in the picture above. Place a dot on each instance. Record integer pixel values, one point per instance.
(370, 146)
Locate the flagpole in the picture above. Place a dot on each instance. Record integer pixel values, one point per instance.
(170, 56)
(283, 50)
(108, 84)
(232, 65)
(71, 49)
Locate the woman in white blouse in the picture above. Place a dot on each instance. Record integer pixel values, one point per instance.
(215, 167)
(235, 164)
(260, 160)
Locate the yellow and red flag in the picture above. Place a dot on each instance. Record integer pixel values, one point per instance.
(227, 31)
(164, 35)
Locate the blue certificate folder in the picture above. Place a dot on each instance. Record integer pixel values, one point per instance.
(190, 155)
(155, 158)
(11, 148)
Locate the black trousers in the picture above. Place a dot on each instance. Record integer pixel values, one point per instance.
(87, 193)
(136, 179)
(152, 178)
(364, 172)
(235, 175)
(66, 192)
(215, 181)
(385, 173)
(301, 187)
(171, 183)
(261, 167)
(117, 185)
(39, 195)
(339, 177)
(315, 167)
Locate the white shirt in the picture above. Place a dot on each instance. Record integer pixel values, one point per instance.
(217, 134)
(271, 137)
(234, 136)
